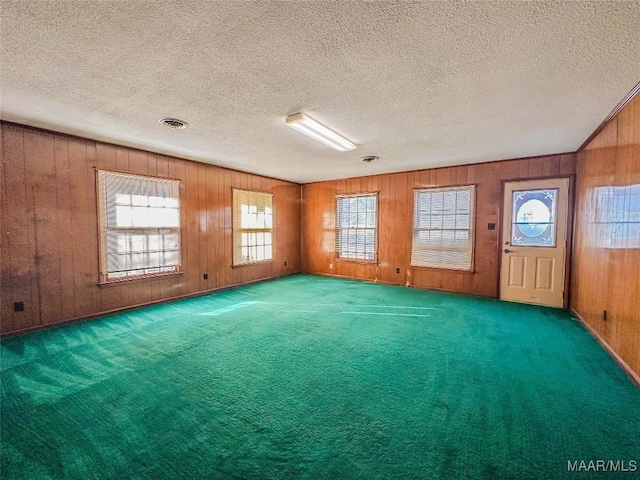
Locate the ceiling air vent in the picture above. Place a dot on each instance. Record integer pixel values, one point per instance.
(369, 159)
(174, 123)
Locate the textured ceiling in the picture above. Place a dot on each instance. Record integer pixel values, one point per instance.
(420, 84)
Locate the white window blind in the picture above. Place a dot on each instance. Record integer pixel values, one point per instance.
(356, 226)
(139, 224)
(252, 227)
(443, 220)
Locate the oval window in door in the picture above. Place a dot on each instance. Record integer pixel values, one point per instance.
(533, 222)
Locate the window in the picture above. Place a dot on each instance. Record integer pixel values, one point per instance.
(139, 223)
(443, 228)
(252, 227)
(617, 216)
(356, 225)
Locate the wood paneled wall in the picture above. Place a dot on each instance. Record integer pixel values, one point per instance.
(395, 222)
(49, 240)
(608, 278)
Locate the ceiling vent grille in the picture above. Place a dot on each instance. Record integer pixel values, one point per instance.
(174, 123)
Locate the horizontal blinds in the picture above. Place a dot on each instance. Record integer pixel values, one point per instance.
(139, 225)
(137, 201)
(252, 227)
(356, 226)
(443, 220)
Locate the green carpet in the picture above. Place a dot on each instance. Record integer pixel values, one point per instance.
(307, 377)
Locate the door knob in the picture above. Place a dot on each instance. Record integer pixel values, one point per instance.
(506, 250)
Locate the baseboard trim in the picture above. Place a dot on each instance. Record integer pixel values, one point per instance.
(69, 321)
(347, 277)
(407, 285)
(635, 378)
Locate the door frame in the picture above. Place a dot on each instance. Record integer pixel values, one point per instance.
(568, 270)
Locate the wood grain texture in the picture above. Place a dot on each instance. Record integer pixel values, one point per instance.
(49, 239)
(608, 278)
(395, 222)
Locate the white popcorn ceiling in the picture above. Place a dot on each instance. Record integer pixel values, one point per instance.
(419, 84)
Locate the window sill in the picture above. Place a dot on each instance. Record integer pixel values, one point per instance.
(146, 278)
(252, 264)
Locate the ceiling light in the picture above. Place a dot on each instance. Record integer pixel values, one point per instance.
(314, 129)
(174, 123)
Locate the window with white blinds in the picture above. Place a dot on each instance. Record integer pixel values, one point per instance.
(443, 222)
(252, 227)
(356, 226)
(139, 225)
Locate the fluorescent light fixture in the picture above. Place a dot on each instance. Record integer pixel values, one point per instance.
(314, 129)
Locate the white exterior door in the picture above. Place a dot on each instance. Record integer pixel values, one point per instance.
(534, 241)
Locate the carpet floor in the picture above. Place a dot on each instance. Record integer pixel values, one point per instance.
(307, 377)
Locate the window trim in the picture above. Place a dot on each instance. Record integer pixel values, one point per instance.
(472, 226)
(376, 258)
(103, 280)
(233, 229)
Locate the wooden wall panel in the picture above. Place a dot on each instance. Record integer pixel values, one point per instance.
(395, 222)
(65, 222)
(18, 258)
(41, 174)
(49, 238)
(5, 259)
(608, 278)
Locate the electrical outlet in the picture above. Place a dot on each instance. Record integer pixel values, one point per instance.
(205, 276)
(18, 306)
(330, 266)
(285, 263)
(397, 269)
(604, 315)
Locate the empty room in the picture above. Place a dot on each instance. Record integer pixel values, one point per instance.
(319, 239)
